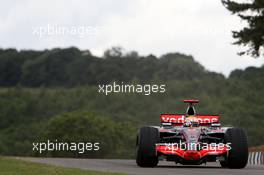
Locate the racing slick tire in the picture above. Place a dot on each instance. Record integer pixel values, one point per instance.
(146, 147)
(237, 157)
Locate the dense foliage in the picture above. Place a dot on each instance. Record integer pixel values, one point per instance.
(53, 94)
(72, 67)
(252, 12)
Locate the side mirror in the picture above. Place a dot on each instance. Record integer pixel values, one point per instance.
(166, 124)
(215, 124)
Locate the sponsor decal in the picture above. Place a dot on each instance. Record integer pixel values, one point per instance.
(175, 118)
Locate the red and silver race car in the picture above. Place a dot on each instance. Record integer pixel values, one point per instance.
(191, 139)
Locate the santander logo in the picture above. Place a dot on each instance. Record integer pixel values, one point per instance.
(176, 118)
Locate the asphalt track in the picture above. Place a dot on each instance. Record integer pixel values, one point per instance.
(164, 168)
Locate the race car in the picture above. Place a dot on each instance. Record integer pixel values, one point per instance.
(191, 139)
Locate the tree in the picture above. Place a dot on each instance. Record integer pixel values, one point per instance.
(50, 68)
(114, 52)
(114, 138)
(253, 34)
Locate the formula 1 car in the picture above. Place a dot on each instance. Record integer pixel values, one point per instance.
(191, 139)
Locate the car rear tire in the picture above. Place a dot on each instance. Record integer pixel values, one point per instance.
(146, 155)
(237, 157)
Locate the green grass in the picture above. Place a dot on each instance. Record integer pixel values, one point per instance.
(12, 166)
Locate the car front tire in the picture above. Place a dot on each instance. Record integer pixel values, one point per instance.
(146, 147)
(237, 157)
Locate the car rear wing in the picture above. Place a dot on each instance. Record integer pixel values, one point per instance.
(179, 119)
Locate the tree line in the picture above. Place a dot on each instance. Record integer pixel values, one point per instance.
(71, 67)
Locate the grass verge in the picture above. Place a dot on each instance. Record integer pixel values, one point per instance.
(13, 166)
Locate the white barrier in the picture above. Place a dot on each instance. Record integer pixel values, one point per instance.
(256, 158)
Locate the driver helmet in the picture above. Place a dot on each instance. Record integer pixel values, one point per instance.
(191, 121)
